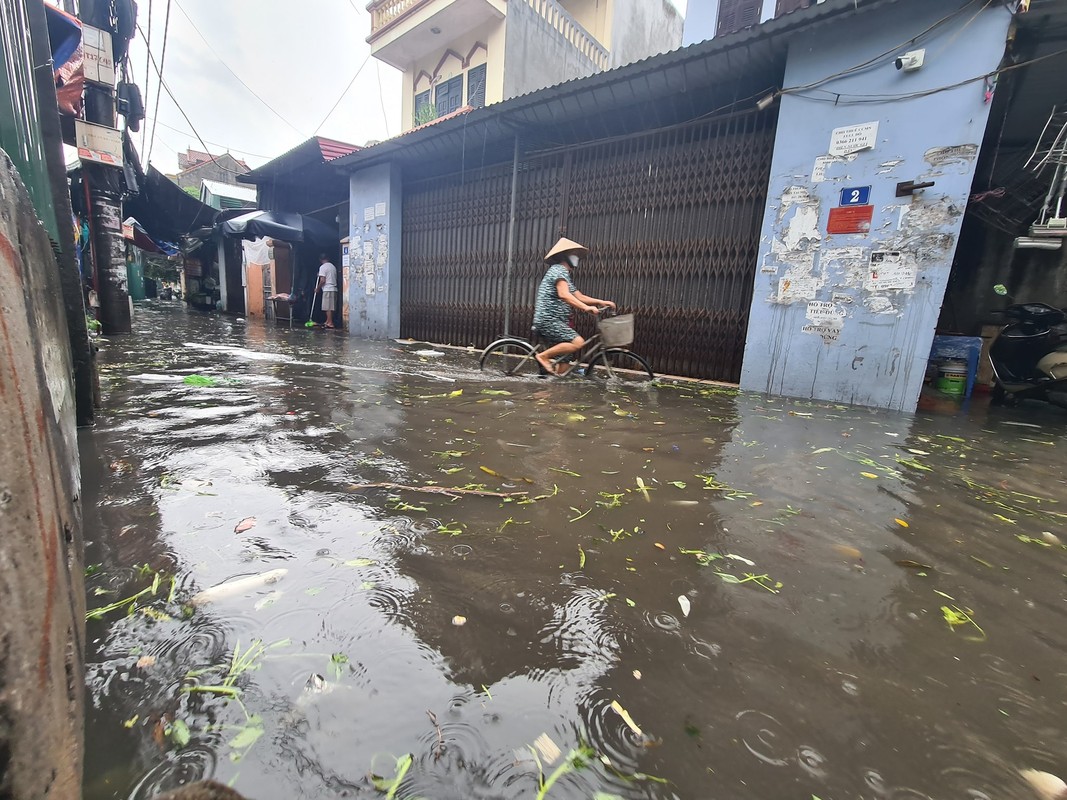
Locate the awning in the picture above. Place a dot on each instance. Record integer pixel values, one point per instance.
(282, 225)
(133, 231)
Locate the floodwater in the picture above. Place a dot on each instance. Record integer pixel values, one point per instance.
(871, 605)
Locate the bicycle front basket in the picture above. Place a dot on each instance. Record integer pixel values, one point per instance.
(617, 331)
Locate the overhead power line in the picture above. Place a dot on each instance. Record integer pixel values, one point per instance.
(189, 122)
(159, 69)
(342, 97)
(222, 61)
(231, 148)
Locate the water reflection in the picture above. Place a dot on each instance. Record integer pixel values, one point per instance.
(844, 680)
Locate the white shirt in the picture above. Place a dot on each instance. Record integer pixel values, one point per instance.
(329, 272)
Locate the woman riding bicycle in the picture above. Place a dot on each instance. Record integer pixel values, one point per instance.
(555, 297)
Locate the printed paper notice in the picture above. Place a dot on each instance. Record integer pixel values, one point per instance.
(854, 138)
(368, 214)
(818, 172)
(379, 209)
(888, 271)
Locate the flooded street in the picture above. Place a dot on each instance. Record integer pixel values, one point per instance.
(686, 593)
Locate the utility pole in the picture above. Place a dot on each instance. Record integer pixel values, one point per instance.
(105, 195)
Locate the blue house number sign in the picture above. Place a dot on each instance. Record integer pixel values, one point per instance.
(855, 196)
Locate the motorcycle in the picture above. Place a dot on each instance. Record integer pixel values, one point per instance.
(1029, 356)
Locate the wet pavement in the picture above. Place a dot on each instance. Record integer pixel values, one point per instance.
(701, 594)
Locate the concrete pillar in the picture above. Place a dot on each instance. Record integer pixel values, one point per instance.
(850, 277)
(374, 252)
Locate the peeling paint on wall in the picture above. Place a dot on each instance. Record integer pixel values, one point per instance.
(953, 154)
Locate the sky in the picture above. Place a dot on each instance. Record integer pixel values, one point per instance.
(295, 60)
(298, 58)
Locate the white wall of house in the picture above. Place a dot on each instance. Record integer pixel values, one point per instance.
(643, 28)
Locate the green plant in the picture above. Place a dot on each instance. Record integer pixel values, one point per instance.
(427, 112)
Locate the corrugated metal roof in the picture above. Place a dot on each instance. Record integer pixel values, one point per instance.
(243, 193)
(332, 148)
(316, 150)
(660, 90)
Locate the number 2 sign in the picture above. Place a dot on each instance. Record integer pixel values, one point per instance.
(855, 196)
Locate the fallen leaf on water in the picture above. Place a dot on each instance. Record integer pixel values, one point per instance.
(144, 662)
(179, 733)
(907, 563)
(901, 523)
(459, 620)
(622, 712)
(488, 471)
(822, 450)
(244, 525)
(848, 551)
(868, 475)
(456, 393)
(685, 605)
(660, 545)
(637, 674)
(581, 557)
(496, 392)
(678, 484)
(621, 413)
(247, 737)
(131, 721)
(630, 602)
(360, 562)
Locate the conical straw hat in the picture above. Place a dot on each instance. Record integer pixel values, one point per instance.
(566, 246)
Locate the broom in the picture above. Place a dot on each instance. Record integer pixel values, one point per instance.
(311, 322)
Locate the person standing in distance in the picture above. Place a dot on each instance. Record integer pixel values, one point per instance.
(556, 296)
(327, 285)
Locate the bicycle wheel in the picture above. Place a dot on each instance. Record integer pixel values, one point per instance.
(620, 365)
(509, 357)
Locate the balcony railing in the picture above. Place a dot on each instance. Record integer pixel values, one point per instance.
(385, 12)
(569, 28)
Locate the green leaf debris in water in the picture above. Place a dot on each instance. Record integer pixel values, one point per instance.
(337, 664)
(247, 737)
(581, 557)
(565, 472)
(179, 733)
(200, 380)
(957, 617)
(360, 562)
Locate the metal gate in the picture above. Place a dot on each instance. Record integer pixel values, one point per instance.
(672, 219)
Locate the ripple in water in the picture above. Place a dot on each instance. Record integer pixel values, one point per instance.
(663, 621)
(765, 737)
(193, 763)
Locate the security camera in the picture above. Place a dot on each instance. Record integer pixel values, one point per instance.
(910, 61)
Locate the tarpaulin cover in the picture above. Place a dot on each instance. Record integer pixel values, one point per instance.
(282, 225)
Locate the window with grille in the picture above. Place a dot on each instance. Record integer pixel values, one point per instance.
(448, 96)
(476, 86)
(737, 14)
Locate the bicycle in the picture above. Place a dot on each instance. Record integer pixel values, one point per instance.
(605, 354)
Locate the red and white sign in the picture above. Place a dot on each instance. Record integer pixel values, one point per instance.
(850, 219)
(98, 143)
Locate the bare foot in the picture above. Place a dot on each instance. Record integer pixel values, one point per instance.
(546, 365)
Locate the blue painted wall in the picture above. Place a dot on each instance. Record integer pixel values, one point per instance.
(374, 253)
(822, 325)
(701, 17)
